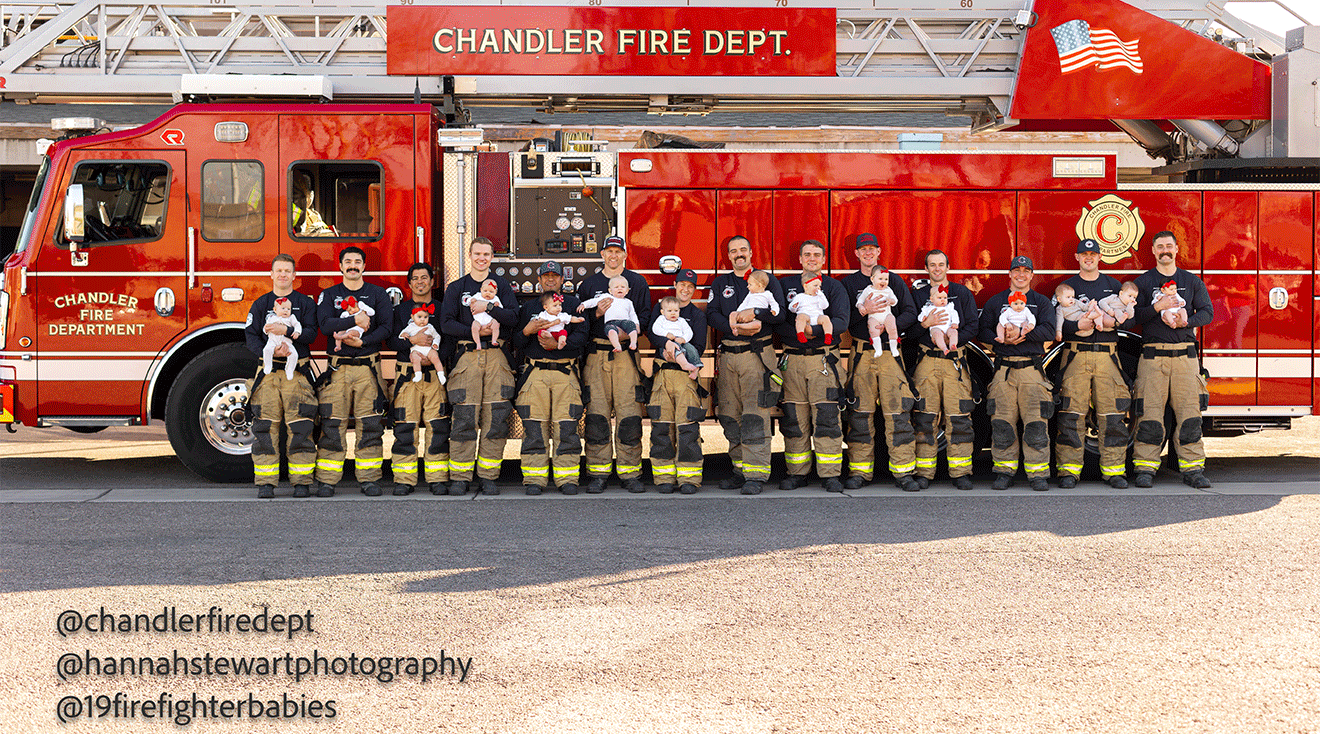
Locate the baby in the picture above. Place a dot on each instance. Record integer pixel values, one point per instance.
(282, 314)
(421, 324)
(621, 317)
(484, 323)
(1176, 315)
(881, 322)
(810, 306)
(552, 309)
(944, 336)
(1119, 307)
(757, 297)
(1070, 309)
(677, 330)
(351, 308)
(1017, 315)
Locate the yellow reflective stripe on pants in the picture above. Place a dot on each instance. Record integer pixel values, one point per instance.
(927, 463)
(1147, 466)
(1112, 471)
(461, 466)
(861, 467)
(630, 469)
(665, 469)
(264, 470)
(902, 468)
(434, 466)
(1037, 468)
(329, 464)
(1006, 467)
(368, 463)
(959, 461)
(1190, 466)
(565, 472)
(536, 471)
(754, 468)
(599, 468)
(689, 472)
(1070, 469)
(485, 463)
(797, 458)
(833, 459)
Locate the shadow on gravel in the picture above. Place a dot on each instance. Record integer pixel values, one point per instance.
(477, 545)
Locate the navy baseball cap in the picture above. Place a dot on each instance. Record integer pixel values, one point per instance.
(866, 239)
(550, 266)
(613, 240)
(1022, 261)
(1088, 246)
(688, 275)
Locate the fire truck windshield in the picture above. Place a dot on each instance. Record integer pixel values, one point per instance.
(30, 215)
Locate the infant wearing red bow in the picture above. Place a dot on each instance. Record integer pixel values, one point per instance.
(421, 324)
(945, 336)
(552, 309)
(351, 308)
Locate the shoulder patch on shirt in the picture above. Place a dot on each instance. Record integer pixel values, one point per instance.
(728, 291)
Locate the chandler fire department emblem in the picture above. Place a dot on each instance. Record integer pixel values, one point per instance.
(1115, 224)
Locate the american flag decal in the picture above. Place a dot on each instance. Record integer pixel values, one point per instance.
(1081, 46)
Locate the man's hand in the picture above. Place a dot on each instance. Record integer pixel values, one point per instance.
(276, 329)
(420, 339)
(283, 350)
(536, 325)
(604, 305)
(935, 318)
(670, 350)
(547, 342)
(362, 320)
(1162, 303)
(479, 306)
(1084, 324)
(1017, 337)
(353, 340)
(872, 304)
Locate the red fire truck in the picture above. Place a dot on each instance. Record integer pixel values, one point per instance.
(141, 250)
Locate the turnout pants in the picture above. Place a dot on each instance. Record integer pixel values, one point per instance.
(353, 391)
(480, 395)
(550, 405)
(274, 400)
(811, 414)
(1092, 379)
(420, 406)
(747, 393)
(611, 386)
(879, 381)
(676, 414)
(1169, 376)
(945, 390)
(1020, 391)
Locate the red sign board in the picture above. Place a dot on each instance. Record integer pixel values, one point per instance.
(628, 41)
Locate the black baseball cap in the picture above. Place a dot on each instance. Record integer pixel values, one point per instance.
(613, 240)
(688, 275)
(866, 239)
(1088, 245)
(1022, 261)
(550, 266)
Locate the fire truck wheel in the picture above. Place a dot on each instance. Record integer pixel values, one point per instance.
(206, 414)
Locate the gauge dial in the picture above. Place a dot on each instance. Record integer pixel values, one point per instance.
(561, 223)
(578, 223)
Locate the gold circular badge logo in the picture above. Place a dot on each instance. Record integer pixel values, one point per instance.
(1113, 223)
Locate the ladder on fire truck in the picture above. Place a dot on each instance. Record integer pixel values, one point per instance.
(953, 56)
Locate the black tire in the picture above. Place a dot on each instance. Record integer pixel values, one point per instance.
(206, 404)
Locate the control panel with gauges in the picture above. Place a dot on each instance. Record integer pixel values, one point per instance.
(522, 274)
(563, 204)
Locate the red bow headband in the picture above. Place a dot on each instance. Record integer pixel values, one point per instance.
(281, 301)
(557, 298)
(428, 308)
(349, 302)
(1169, 283)
(1016, 296)
(808, 280)
(943, 289)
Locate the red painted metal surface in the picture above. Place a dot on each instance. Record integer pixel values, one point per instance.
(1285, 221)
(799, 216)
(617, 41)
(673, 222)
(1172, 83)
(748, 214)
(854, 170)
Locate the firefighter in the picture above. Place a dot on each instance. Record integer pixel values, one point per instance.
(877, 378)
(550, 397)
(1169, 372)
(481, 384)
(675, 409)
(351, 387)
(1092, 376)
(419, 405)
(943, 379)
(812, 390)
(275, 399)
(748, 382)
(1019, 389)
(612, 381)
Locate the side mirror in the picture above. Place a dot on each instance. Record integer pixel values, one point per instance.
(74, 218)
